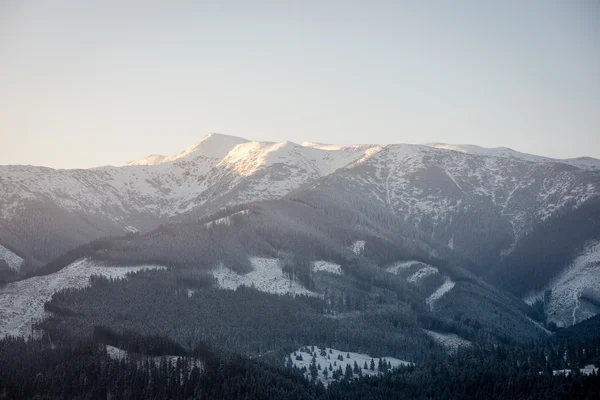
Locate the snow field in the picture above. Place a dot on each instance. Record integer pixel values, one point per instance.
(13, 260)
(358, 247)
(442, 290)
(326, 266)
(583, 274)
(422, 273)
(22, 302)
(119, 354)
(266, 276)
(326, 356)
(401, 266)
(449, 340)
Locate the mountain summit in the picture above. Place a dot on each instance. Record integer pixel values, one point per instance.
(212, 145)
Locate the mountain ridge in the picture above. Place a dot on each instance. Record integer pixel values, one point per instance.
(479, 207)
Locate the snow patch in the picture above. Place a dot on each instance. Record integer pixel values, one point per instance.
(327, 266)
(326, 356)
(118, 354)
(449, 340)
(422, 273)
(266, 276)
(22, 302)
(587, 370)
(13, 260)
(401, 266)
(225, 220)
(442, 290)
(358, 247)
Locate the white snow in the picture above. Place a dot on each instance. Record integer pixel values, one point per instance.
(222, 171)
(212, 145)
(442, 290)
(582, 275)
(401, 266)
(152, 159)
(504, 152)
(451, 243)
(327, 266)
(131, 229)
(587, 370)
(449, 340)
(266, 276)
(13, 260)
(22, 302)
(331, 356)
(119, 354)
(225, 220)
(422, 273)
(358, 247)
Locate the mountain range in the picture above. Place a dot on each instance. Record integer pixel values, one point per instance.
(495, 223)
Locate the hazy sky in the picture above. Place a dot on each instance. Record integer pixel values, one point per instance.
(87, 83)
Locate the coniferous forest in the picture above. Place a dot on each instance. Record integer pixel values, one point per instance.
(39, 369)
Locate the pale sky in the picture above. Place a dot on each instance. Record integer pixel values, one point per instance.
(87, 83)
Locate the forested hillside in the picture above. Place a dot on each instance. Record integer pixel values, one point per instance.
(39, 368)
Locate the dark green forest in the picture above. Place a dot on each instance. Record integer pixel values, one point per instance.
(42, 369)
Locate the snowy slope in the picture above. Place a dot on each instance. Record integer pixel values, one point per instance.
(263, 171)
(400, 266)
(326, 356)
(326, 266)
(575, 293)
(22, 303)
(119, 354)
(439, 292)
(13, 260)
(266, 276)
(422, 274)
(212, 145)
(432, 187)
(504, 152)
(221, 170)
(449, 340)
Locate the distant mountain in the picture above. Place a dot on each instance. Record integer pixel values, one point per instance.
(588, 163)
(515, 219)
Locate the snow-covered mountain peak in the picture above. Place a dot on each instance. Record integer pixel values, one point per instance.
(251, 157)
(212, 145)
(337, 147)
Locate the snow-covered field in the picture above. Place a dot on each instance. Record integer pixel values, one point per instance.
(327, 266)
(326, 357)
(22, 303)
(266, 276)
(13, 260)
(565, 307)
(442, 290)
(449, 340)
